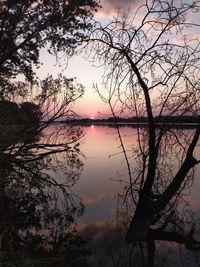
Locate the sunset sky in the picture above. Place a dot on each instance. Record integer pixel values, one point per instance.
(87, 74)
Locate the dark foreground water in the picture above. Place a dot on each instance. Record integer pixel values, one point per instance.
(73, 208)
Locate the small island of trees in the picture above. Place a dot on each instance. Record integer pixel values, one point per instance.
(168, 120)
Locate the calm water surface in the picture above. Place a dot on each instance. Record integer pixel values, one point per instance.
(103, 178)
(98, 183)
(105, 171)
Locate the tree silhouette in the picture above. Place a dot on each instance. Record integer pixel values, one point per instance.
(37, 205)
(152, 69)
(28, 26)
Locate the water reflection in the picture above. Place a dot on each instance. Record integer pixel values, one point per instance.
(104, 179)
(38, 209)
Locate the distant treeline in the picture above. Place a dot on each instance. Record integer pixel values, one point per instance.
(160, 119)
(26, 113)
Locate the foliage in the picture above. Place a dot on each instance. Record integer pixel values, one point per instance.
(25, 113)
(28, 26)
(39, 162)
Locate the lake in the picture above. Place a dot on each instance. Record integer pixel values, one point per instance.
(105, 171)
(104, 166)
(43, 184)
(103, 178)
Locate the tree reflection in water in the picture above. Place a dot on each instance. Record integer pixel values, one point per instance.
(169, 217)
(38, 209)
(148, 75)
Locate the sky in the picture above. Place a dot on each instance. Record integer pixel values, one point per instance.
(90, 105)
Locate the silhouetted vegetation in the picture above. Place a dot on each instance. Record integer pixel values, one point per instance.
(38, 211)
(152, 71)
(28, 26)
(147, 72)
(173, 120)
(37, 170)
(26, 113)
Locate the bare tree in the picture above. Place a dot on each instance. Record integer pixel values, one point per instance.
(151, 62)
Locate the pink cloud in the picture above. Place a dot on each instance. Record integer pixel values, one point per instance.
(110, 6)
(97, 229)
(92, 201)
